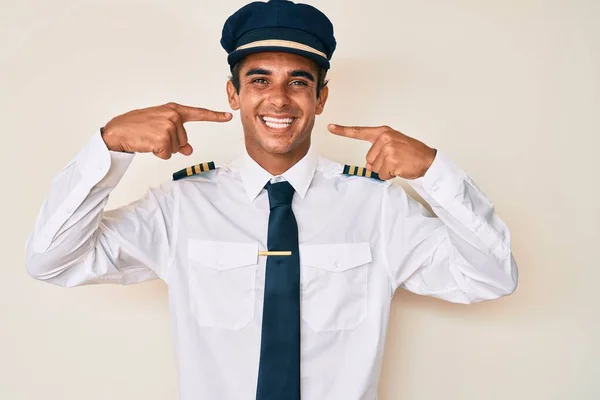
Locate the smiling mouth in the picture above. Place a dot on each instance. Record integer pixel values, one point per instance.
(279, 124)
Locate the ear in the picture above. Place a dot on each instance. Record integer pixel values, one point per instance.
(232, 96)
(322, 100)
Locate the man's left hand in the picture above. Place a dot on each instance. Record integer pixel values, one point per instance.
(392, 153)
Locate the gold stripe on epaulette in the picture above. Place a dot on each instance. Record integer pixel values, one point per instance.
(194, 170)
(359, 171)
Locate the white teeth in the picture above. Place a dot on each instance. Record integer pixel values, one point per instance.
(276, 126)
(277, 123)
(278, 120)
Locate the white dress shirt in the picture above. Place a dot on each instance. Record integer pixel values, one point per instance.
(360, 239)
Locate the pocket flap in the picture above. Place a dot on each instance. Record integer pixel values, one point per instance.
(335, 257)
(222, 255)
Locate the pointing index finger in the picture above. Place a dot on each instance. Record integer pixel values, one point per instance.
(369, 133)
(189, 113)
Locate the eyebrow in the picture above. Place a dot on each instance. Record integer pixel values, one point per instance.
(258, 71)
(294, 73)
(303, 74)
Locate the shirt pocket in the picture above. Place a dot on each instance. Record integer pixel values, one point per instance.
(334, 285)
(222, 280)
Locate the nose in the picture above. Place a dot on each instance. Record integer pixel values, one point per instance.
(279, 96)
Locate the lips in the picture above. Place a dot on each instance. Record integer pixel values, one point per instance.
(278, 123)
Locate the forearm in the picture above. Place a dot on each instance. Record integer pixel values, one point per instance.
(463, 253)
(67, 225)
(463, 207)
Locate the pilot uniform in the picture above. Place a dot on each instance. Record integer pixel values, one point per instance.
(252, 320)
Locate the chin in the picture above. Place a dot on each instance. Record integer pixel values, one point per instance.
(276, 142)
(273, 147)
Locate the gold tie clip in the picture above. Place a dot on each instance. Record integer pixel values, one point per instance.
(274, 253)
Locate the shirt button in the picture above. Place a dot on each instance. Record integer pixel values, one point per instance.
(278, 179)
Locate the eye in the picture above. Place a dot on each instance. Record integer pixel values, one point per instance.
(299, 83)
(260, 81)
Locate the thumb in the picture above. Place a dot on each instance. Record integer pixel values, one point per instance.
(186, 149)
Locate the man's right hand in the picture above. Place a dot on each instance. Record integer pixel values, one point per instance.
(157, 130)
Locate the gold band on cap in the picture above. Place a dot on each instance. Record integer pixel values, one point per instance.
(281, 43)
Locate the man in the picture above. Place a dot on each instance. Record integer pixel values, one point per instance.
(281, 266)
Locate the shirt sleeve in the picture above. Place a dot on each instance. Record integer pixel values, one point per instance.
(76, 242)
(461, 253)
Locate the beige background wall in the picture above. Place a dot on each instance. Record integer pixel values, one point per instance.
(509, 89)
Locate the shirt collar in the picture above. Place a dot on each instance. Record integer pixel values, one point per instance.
(254, 177)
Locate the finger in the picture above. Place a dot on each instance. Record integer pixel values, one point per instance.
(159, 143)
(189, 113)
(164, 138)
(164, 153)
(377, 147)
(177, 126)
(379, 166)
(173, 137)
(186, 150)
(369, 133)
(182, 136)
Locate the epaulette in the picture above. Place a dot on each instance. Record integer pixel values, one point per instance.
(360, 171)
(193, 170)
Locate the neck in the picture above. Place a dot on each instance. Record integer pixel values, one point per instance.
(273, 163)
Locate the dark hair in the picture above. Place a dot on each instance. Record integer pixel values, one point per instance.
(235, 78)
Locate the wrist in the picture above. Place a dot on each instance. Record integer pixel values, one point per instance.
(109, 139)
(428, 160)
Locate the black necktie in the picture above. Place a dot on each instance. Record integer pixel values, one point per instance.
(279, 368)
